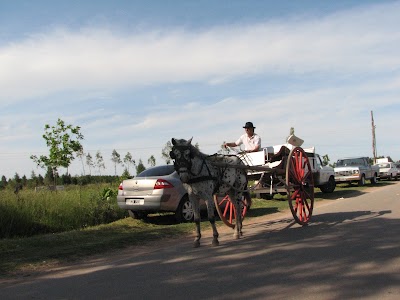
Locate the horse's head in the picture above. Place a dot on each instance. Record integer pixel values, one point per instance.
(182, 154)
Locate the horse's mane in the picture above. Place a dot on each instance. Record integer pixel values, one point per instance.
(197, 152)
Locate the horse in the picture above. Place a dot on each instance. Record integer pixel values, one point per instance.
(203, 176)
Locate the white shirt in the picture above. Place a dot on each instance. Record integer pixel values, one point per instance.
(249, 143)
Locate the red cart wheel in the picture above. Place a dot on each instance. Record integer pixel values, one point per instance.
(226, 210)
(300, 185)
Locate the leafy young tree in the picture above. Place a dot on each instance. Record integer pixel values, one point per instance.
(140, 167)
(128, 160)
(116, 159)
(100, 162)
(125, 174)
(151, 161)
(63, 142)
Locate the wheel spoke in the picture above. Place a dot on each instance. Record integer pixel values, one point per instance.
(300, 185)
(226, 210)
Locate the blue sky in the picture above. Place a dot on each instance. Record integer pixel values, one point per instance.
(134, 74)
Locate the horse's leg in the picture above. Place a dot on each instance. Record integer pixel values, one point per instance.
(197, 219)
(238, 217)
(239, 210)
(211, 218)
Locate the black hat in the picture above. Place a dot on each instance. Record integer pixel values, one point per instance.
(248, 125)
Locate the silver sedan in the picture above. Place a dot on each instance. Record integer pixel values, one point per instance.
(157, 189)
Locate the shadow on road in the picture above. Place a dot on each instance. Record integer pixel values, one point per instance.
(343, 255)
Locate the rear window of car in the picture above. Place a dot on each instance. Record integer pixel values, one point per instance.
(157, 171)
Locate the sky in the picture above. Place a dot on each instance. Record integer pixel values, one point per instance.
(134, 74)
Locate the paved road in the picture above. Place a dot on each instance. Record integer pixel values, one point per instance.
(351, 250)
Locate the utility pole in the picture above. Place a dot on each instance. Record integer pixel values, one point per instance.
(373, 137)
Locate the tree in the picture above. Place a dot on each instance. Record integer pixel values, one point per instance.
(140, 167)
(40, 180)
(100, 162)
(125, 174)
(17, 179)
(128, 160)
(116, 159)
(81, 154)
(50, 177)
(89, 162)
(63, 141)
(165, 152)
(3, 181)
(151, 161)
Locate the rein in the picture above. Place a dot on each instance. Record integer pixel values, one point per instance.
(198, 178)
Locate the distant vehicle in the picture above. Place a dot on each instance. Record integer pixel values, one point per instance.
(324, 176)
(157, 189)
(388, 170)
(355, 169)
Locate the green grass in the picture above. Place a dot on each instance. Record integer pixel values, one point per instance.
(29, 213)
(30, 253)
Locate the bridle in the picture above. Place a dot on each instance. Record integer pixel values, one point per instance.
(184, 160)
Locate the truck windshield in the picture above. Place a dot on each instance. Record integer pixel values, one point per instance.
(350, 162)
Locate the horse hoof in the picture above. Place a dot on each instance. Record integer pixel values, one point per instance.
(196, 244)
(215, 243)
(236, 236)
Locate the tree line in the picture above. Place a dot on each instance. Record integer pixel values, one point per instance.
(64, 144)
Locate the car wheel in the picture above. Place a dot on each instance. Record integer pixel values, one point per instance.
(374, 179)
(329, 187)
(361, 182)
(184, 212)
(138, 215)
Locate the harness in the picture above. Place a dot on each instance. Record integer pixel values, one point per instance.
(184, 162)
(187, 163)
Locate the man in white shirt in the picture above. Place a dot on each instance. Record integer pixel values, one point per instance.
(250, 140)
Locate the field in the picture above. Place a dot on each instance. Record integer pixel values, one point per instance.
(28, 213)
(73, 222)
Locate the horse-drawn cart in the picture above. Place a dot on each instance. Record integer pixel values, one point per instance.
(224, 179)
(288, 172)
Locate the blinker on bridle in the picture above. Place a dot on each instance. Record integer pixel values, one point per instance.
(182, 161)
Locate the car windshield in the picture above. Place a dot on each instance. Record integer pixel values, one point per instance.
(157, 171)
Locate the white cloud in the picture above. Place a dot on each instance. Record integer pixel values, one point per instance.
(64, 60)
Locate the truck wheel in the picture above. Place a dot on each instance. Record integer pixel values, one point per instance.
(374, 180)
(361, 182)
(330, 186)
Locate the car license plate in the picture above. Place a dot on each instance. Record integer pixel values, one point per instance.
(135, 201)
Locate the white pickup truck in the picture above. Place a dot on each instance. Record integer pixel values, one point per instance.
(388, 170)
(324, 176)
(355, 169)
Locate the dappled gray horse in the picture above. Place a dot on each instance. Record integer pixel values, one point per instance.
(205, 175)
